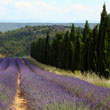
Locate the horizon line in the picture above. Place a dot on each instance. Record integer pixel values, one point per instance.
(52, 22)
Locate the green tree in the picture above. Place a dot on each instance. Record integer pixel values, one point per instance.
(101, 42)
(67, 54)
(92, 49)
(76, 57)
(86, 41)
(55, 48)
(33, 49)
(107, 47)
(47, 48)
(86, 32)
(72, 34)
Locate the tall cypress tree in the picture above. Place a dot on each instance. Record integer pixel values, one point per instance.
(66, 52)
(86, 32)
(55, 48)
(92, 49)
(76, 57)
(33, 48)
(86, 41)
(101, 42)
(107, 47)
(47, 47)
(72, 34)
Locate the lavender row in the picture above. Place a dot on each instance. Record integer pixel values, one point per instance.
(1, 60)
(97, 97)
(4, 64)
(8, 84)
(41, 92)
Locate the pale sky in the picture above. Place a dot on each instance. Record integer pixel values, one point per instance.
(54, 11)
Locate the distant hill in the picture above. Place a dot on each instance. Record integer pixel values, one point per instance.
(4, 27)
(17, 42)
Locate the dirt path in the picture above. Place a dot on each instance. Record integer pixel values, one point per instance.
(19, 103)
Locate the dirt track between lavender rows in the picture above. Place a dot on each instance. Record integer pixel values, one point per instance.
(20, 103)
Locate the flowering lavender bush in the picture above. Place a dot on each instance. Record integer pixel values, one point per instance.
(8, 83)
(4, 63)
(41, 92)
(1, 60)
(47, 91)
(97, 97)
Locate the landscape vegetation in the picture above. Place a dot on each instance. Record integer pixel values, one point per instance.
(56, 67)
(11, 42)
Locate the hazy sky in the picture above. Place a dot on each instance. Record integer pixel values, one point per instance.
(51, 10)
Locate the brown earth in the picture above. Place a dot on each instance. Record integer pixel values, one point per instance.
(2, 56)
(20, 103)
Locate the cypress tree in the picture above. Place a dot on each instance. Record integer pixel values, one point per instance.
(101, 42)
(86, 41)
(86, 32)
(66, 50)
(92, 49)
(59, 50)
(47, 47)
(56, 49)
(107, 47)
(76, 57)
(33, 48)
(72, 34)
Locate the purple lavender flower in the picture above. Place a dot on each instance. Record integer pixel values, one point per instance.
(96, 97)
(8, 83)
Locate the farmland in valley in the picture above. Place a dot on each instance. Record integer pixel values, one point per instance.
(24, 84)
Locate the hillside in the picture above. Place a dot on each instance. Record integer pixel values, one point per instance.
(4, 27)
(17, 42)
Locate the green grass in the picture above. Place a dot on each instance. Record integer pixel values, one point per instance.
(3, 97)
(90, 77)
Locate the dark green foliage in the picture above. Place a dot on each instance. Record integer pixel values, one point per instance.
(56, 49)
(92, 50)
(17, 42)
(101, 41)
(86, 32)
(72, 34)
(47, 48)
(77, 54)
(87, 50)
(33, 51)
(107, 46)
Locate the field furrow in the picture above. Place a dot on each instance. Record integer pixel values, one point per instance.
(96, 97)
(8, 84)
(1, 60)
(19, 103)
(41, 93)
(23, 86)
(4, 63)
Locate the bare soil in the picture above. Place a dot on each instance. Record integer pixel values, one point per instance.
(20, 103)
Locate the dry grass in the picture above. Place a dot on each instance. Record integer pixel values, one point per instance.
(93, 78)
(2, 56)
(89, 77)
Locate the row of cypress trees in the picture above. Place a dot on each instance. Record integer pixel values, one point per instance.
(85, 50)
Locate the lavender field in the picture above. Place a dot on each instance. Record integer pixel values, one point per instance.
(44, 90)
